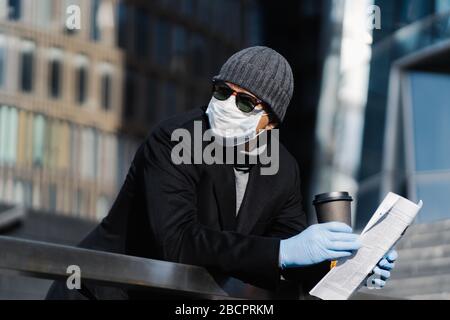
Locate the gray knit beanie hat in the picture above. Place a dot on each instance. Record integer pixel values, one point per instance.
(265, 73)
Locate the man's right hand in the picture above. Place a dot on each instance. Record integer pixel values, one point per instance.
(318, 243)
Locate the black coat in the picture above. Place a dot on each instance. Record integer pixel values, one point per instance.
(187, 213)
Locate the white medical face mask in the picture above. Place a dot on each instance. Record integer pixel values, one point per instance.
(230, 126)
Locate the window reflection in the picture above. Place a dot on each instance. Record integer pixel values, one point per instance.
(106, 91)
(152, 100)
(3, 63)
(171, 99)
(430, 97)
(55, 73)
(199, 55)
(142, 34)
(130, 94)
(27, 66)
(81, 79)
(162, 42)
(95, 28)
(15, 9)
(122, 21)
(435, 195)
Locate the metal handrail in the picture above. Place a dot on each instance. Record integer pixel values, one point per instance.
(51, 261)
(11, 216)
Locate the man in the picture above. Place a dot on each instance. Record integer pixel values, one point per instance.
(229, 218)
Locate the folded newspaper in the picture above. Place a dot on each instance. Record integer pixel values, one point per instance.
(383, 230)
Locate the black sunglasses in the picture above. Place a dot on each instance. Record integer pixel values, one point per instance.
(245, 102)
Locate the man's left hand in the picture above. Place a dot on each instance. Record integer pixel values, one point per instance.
(383, 268)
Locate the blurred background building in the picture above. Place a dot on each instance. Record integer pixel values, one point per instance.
(383, 125)
(369, 113)
(74, 104)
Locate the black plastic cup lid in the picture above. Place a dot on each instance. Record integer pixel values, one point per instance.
(332, 196)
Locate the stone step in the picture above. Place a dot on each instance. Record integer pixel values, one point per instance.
(423, 228)
(432, 296)
(411, 255)
(420, 240)
(417, 286)
(418, 268)
(423, 268)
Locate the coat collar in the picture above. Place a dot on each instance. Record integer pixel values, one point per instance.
(253, 204)
(225, 193)
(252, 207)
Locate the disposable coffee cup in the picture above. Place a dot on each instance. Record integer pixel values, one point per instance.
(333, 206)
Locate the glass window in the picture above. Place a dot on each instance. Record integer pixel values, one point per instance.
(413, 10)
(52, 197)
(95, 28)
(187, 7)
(13, 135)
(223, 21)
(8, 134)
(88, 152)
(122, 162)
(431, 133)
(198, 55)
(55, 73)
(3, 132)
(53, 137)
(81, 79)
(171, 99)
(18, 192)
(79, 202)
(368, 201)
(234, 6)
(28, 194)
(111, 164)
(435, 195)
(204, 10)
(106, 91)
(152, 100)
(38, 140)
(179, 49)
(100, 158)
(15, 9)
(55, 78)
(23, 193)
(141, 32)
(81, 82)
(442, 5)
(130, 93)
(3, 50)
(430, 97)
(74, 149)
(122, 21)
(162, 42)
(27, 66)
(106, 82)
(169, 4)
(253, 23)
(179, 40)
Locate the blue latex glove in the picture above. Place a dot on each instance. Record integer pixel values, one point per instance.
(318, 243)
(382, 270)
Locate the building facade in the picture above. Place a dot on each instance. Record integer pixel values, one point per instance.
(75, 102)
(381, 124)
